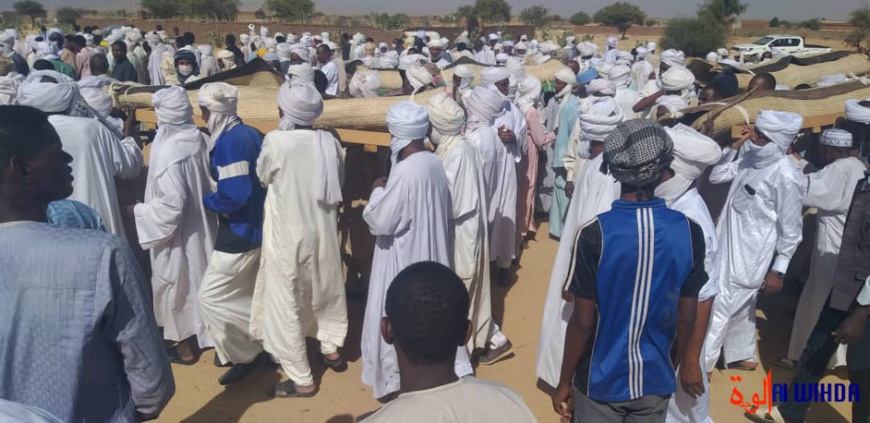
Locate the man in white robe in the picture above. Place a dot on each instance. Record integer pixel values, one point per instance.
(464, 168)
(760, 222)
(693, 153)
(510, 127)
(485, 106)
(625, 97)
(209, 65)
(410, 215)
(593, 194)
(830, 191)
(155, 58)
(300, 286)
(99, 156)
(174, 225)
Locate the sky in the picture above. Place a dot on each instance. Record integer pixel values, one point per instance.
(758, 9)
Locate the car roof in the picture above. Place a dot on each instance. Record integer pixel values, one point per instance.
(782, 36)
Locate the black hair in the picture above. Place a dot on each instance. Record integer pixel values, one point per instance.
(99, 64)
(350, 68)
(802, 87)
(159, 27)
(427, 306)
(461, 47)
(344, 36)
(88, 30)
(413, 50)
(180, 41)
(80, 41)
(189, 38)
(370, 40)
(21, 132)
(281, 39)
(43, 64)
(231, 40)
(767, 78)
(725, 84)
(320, 81)
(122, 45)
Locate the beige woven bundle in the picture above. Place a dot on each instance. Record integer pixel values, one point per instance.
(795, 75)
(544, 72)
(818, 102)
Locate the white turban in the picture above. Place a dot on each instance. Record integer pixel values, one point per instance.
(221, 100)
(598, 120)
(445, 115)
(677, 79)
(99, 101)
(603, 68)
(406, 122)
(6, 43)
(225, 55)
(300, 105)
(436, 43)
(856, 112)
(491, 75)
(89, 40)
(283, 51)
(484, 105)
(324, 36)
(620, 75)
(781, 128)
(172, 106)
(586, 49)
(612, 42)
(602, 87)
(624, 57)
(651, 46)
(713, 57)
(9, 90)
(418, 76)
(693, 151)
(292, 39)
(528, 92)
(463, 71)
(836, 138)
(410, 61)
(731, 62)
(62, 97)
(674, 58)
(722, 52)
(301, 74)
(365, 84)
(302, 52)
(264, 32)
(673, 103)
(493, 37)
(522, 46)
(641, 52)
(501, 58)
(507, 43)
(567, 76)
(245, 39)
(271, 43)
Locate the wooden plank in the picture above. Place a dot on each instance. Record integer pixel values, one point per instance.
(351, 136)
(816, 124)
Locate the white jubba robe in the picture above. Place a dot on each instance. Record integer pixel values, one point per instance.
(626, 98)
(179, 232)
(830, 190)
(155, 59)
(500, 180)
(300, 286)
(682, 408)
(752, 228)
(411, 219)
(594, 193)
(98, 158)
(139, 59)
(209, 67)
(464, 168)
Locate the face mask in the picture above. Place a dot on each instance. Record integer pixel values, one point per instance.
(185, 70)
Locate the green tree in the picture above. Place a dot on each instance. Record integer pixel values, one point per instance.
(580, 18)
(29, 8)
(694, 36)
(492, 11)
(811, 24)
(723, 11)
(161, 9)
(860, 19)
(536, 16)
(220, 10)
(620, 15)
(67, 15)
(774, 23)
(291, 10)
(651, 22)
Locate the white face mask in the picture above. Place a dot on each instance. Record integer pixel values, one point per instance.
(185, 70)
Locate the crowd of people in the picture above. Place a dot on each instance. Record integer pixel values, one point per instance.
(647, 288)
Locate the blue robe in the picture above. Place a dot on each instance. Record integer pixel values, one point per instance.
(559, 206)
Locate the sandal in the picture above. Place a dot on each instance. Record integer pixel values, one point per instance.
(786, 363)
(175, 358)
(287, 389)
(338, 365)
(741, 367)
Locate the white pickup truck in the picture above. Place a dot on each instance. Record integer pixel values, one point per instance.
(789, 45)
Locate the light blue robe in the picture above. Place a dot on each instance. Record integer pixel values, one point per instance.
(560, 203)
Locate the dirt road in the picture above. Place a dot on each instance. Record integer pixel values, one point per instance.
(342, 396)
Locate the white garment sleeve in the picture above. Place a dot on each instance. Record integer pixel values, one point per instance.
(726, 170)
(519, 129)
(385, 212)
(331, 73)
(266, 167)
(571, 160)
(789, 222)
(864, 295)
(158, 220)
(126, 155)
(463, 189)
(825, 190)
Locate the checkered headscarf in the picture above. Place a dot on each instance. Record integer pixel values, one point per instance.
(638, 152)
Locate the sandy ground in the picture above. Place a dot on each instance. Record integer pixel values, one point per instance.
(199, 398)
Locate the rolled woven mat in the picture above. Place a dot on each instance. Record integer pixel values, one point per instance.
(792, 71)
(807, 103)
(390, 79)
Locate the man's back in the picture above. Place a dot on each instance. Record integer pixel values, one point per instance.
(654, 254)
(77, 326)
(468, 400)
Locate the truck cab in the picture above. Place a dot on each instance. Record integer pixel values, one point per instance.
(788, 45)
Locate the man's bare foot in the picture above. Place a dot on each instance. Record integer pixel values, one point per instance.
(746, 366)
(185, 350)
